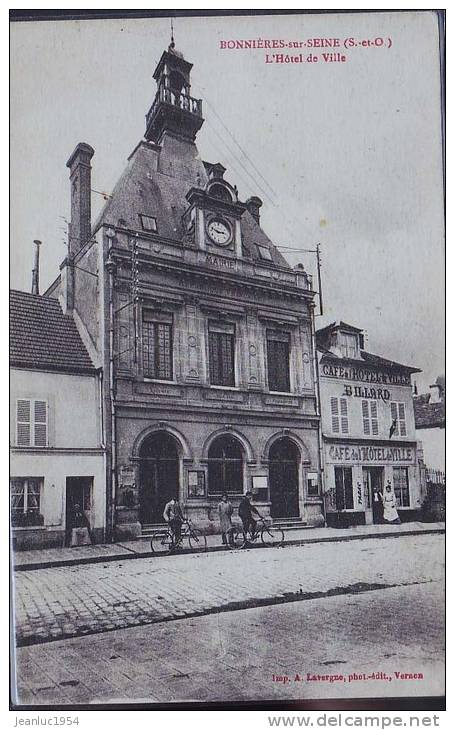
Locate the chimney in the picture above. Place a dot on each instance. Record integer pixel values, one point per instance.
(35, 270)
(254, 204)
(80, 179)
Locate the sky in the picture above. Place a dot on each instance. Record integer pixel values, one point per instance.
(347, 155)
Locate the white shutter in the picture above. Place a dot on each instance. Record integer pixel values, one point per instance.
(335, 419)
(366, 417)
(394, 411)
(374, 418)
(40, 423)
(344, 415)
(23, 426)
(402, 419)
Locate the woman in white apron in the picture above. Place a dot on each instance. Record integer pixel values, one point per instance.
(389, 502)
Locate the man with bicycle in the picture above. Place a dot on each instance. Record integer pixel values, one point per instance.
(246, 510)
(173, 515)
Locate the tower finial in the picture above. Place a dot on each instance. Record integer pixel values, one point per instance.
(172, 44)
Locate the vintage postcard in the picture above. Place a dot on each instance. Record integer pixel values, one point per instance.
(227, 358)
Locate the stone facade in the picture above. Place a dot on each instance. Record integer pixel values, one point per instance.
(189, 307)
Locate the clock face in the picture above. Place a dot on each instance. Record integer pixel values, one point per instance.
(219, 232)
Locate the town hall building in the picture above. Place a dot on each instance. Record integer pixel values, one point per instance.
(204, 332)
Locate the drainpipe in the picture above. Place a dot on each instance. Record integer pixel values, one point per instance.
(318, 407)
(110, 265)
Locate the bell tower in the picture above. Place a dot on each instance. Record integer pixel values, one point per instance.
(173, 109)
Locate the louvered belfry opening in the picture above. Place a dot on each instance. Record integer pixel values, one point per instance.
(284, 462)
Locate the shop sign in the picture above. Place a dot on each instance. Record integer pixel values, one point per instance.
(365, 375)
(371, 454)
(361, 391)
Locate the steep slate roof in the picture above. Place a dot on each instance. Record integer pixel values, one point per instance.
(155, 183)
(42, 337)
(429, 415)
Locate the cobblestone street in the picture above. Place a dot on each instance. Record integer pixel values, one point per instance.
(59, 602)
(234, 656)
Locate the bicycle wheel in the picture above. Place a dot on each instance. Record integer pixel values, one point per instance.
(161, 543)
(271, 535)
(237, 539)
(197, 540)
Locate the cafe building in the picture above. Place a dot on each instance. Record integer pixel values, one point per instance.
(368, 429)
(204, 331)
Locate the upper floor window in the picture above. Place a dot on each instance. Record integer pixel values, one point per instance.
(348, 345)
(278, 349)
(26, 500)
(221, 353)
(398, 413)
(157, 345)
(148, 223)
(370, 418)
(31, 422)
(339, 412)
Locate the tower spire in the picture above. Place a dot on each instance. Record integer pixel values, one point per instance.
(172, 43)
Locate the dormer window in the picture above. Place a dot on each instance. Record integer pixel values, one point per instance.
(348, 345)
(264, 253)
(148, 223)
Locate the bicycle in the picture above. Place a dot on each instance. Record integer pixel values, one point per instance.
(270, 535)
(163, 541)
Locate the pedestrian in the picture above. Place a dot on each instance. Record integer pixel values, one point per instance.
(225, 511)
(389, 502)
(246, 510)
(173, 515)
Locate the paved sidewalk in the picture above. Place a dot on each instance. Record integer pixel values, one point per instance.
(59, 602)
(36, 559)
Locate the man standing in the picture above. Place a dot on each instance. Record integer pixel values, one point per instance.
(173, 515)
(246, 510)
(225, 511)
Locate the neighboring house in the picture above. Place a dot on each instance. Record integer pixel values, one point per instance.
(430, 420)
(57, 458)
(368, 429)
(204, 331)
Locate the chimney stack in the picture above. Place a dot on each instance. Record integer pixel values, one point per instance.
(35, 270)
(254, 204)
(80, 179)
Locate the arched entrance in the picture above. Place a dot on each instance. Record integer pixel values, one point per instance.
(284, 461)
(225, 466)
(159, 476)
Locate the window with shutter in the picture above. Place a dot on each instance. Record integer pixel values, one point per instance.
(31, 423)
(366, 418)
(374, 418)
(23, 425)
(398, 413)
(40, 423)
(344, 415)
(335, 415)
(402, 419)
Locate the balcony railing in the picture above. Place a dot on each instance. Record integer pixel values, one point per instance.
(181, 101)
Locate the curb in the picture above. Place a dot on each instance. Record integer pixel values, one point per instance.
(130, 555)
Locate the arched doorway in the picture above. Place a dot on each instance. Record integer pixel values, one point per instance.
(159, 475)
(225, 466)
(284, 461)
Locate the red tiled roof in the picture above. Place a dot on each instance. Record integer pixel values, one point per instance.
(42, 337)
